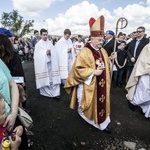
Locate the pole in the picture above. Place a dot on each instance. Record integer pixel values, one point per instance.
(122, 20)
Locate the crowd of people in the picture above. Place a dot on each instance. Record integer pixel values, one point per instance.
(83, 66)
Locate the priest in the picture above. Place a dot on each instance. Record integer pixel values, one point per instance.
(66, 55)
(89, 80)
(46, 67)
(138, 86)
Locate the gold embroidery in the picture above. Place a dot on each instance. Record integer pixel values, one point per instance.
(102, 98)
(102, 83)
(102, 112)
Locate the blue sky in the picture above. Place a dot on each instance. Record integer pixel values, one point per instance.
(57, 13)
(62, 6)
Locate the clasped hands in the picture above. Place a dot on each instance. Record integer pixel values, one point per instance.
(69, 50)
(48, 52)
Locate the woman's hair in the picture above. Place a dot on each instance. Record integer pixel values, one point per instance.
(16, 39)
(6, 48)
(22, 94)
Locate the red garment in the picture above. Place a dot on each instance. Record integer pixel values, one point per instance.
(1, 133)
(101, 90)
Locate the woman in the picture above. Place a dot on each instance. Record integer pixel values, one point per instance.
(14, 62)
(9, 89)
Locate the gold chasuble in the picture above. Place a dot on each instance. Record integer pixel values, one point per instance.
(96, 96)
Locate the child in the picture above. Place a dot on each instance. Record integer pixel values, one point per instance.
(22, 99)
(120, 62)
(79, 45)
(22, 95)
(3, 133)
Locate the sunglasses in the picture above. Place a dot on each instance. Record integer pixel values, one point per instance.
(139, 31)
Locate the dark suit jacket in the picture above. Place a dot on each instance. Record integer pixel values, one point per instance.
(130, 51)
(109, 47)
(34, 41)
(15, 66)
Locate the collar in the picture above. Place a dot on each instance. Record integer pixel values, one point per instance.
(109, 40)
(97, 49)
(139, 39)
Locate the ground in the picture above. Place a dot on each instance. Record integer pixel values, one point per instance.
(57, 127)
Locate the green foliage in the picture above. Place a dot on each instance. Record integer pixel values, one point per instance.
(15, 22)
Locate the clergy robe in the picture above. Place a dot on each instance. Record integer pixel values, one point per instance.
(46, 69)
(91, 92)
(65, 59)
(138, 86)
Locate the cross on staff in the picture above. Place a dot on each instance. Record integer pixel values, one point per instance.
(124, 22)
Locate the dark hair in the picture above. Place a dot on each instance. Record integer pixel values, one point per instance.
(16, 39)
(141, 27)
(43, 30)
(22, 94)
(67, 31)
(35, 31)
(123, 42)
(79, 36)
(120, 34)
(6, 48)
(133, 32)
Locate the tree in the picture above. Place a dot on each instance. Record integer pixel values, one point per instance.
(15, 22)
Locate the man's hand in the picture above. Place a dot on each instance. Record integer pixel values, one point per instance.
(48, 52)
(132, 59)
(69, 50)
(113, 55)
(98, 72)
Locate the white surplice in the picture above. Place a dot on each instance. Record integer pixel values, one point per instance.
(46, 69)
(65, 59)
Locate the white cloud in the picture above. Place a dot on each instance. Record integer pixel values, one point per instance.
(136, 14)
(76, 18)
(32, 7)
(148, 2)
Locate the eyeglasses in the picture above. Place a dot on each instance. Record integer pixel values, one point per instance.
(139, 31)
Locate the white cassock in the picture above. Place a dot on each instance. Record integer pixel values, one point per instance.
(138, 86)
(46, 69)
(142, 94)
(65, 59)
